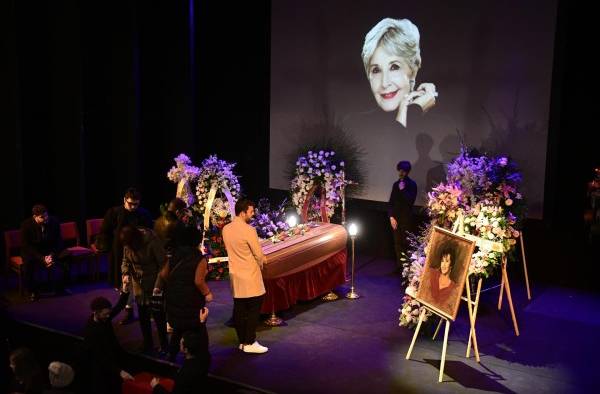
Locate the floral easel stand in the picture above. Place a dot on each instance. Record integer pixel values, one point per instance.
(443, 317)
(471, 307)
(504, 285)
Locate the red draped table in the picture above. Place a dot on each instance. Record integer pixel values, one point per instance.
(303, 267)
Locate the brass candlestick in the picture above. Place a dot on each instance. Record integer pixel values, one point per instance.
(352, 294)
(331, 296)
(273, 320)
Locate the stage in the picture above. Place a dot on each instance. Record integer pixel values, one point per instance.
(356, 346)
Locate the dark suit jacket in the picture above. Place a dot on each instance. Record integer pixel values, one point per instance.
(401, 202)
(118, 217)
(104, 351)
(35, 243)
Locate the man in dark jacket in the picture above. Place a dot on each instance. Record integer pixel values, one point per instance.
(128, 214)
(191, 378)
(400, 207)
(103, 349)
(42, 248)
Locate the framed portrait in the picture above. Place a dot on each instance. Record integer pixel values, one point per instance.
(446, 267)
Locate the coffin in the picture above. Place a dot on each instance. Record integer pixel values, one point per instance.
(301, 252)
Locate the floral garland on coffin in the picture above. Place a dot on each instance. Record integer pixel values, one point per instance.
(184, 174)
(269, 222)
(314, 170)
(485, 191)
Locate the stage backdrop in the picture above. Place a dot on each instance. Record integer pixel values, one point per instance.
(490, 62)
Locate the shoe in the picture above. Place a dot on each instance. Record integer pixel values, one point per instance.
(128, 319)
(34, 297)
(241, 347)
(255, 348)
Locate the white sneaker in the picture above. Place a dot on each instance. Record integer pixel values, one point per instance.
(241, 347)
(255, 348)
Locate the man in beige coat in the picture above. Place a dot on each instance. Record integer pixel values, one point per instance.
(245, 263)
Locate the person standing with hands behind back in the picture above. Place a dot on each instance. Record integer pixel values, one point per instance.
(402, 200)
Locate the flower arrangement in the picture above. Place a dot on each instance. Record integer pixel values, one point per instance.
(215, 246)
(484, 190)
(318, 169)
(183, 173)
(183, 169)
(410, 311)
(269, 222)
(212, 173)
(216, 173)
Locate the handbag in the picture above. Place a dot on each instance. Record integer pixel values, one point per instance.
(157, 302)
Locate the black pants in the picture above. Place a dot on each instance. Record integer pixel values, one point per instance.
(58, 273)
(177, 334)
(144, 312)
(115, 258)
(400, 242)
(246, 312)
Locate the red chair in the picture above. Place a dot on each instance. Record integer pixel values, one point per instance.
(70, 235)
(141, 384)
(92, 229)
(12, 246)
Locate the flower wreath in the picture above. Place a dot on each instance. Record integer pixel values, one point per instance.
(183, 173)
(313, 170)
(216, 177)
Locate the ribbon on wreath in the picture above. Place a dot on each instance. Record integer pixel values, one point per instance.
(207, 209)
(184, 192)
(211, 199)
(322, 204)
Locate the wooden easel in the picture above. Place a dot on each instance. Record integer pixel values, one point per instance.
(447, 319)
(525, 265)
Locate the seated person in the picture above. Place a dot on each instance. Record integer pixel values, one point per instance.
(42, 247)
(27, 374)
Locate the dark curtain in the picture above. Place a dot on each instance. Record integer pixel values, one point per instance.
(99, 96)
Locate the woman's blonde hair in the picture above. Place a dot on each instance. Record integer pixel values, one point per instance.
(399, 37)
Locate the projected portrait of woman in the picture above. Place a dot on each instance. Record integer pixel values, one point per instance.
(392, 59)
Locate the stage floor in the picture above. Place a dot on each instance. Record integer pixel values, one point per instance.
(356, 346)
